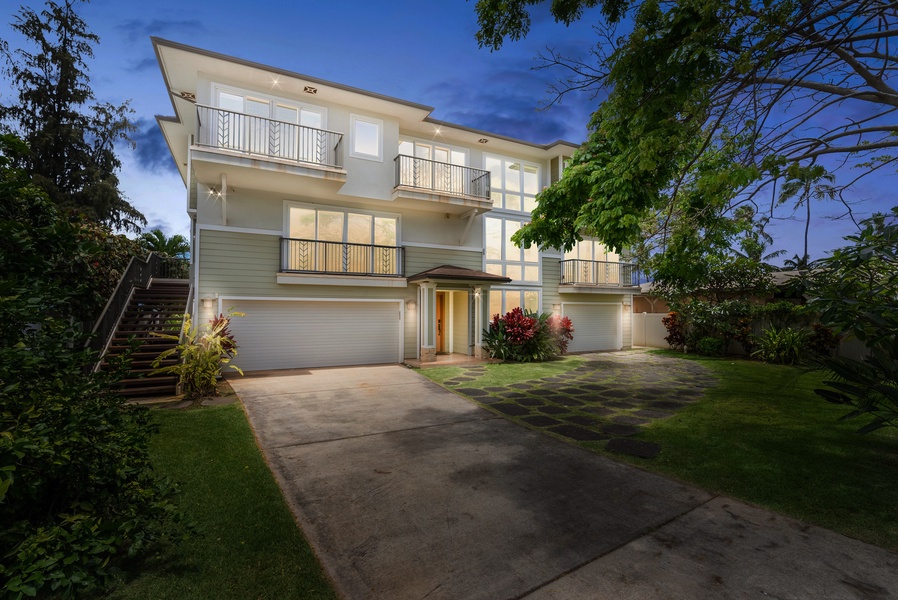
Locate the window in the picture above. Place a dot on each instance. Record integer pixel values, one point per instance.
(367, 137)
(337, 241)
(591, 262)
(513, 184)
(502, 257)
(503, 301)
(269, 126)
(430, 166)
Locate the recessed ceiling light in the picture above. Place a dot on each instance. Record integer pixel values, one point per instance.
(310, 90)
(483, 140)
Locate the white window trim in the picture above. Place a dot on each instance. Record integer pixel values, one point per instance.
(520, 289)
(359, 211)
(353, 119)
(220, 87)
(437, 144)
(540, 173)
(519, 218)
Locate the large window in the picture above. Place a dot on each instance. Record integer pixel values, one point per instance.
(337, 241)
(591, 250)
(592, 263)
(502, 301)
(513, 184)
(430, 167)
(503, 257)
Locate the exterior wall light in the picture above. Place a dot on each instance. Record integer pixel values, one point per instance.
(556, 307)
(207, 302)
(410, 304)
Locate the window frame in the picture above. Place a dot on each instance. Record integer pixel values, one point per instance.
(503, 303)
(498, 184)
(504, 261)
(354, 119)
(346, 212)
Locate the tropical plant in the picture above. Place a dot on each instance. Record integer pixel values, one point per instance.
(676, 330)
(77, 491)
(781, 346)
(856, 292)
(202, 352)
(71, 146)
(175, 246)
(525, 336)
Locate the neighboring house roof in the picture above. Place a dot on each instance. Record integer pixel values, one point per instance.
(450, 272)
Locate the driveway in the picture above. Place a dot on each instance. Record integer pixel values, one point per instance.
(407, 490)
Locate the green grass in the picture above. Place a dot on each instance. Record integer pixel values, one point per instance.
(501, 374)
(250, 546)
(763, 436)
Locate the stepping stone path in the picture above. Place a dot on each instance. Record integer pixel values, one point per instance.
(608, 397)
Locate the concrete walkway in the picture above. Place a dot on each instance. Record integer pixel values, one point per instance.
(406, 490)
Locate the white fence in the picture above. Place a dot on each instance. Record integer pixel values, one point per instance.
(648, 330)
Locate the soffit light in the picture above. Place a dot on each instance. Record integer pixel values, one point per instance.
(482, 141)
(309, 90)
(189, 96)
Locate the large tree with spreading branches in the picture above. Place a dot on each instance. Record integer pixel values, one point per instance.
(718, 114)
(71, 138)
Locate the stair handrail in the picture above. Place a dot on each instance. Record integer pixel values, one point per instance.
(137, 274)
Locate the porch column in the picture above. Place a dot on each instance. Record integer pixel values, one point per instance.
(427, 323)
(478, 322)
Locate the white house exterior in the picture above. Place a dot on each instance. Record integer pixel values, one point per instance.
(352, 228)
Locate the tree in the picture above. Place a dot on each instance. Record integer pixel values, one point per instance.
(72, 142)
(710, 105)
(156, 241)
(856, 290)
(77, 491)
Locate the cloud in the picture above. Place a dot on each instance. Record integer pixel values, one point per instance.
(140, 29)
(513, 104)
(151, 151)
(144, 64)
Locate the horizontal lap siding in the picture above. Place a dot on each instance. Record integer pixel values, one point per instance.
(421, 259)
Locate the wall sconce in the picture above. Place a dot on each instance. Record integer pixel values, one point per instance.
(410, 304)
(207, 302)
(477, 293)
(556, 307)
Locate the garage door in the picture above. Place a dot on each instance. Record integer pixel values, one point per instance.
(596, 326)
(301, 334)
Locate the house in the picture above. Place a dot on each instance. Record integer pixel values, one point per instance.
(353, 228)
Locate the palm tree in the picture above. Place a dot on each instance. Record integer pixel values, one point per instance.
(155, 240)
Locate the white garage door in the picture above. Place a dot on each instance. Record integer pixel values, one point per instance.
(596, 326)
(303, 334)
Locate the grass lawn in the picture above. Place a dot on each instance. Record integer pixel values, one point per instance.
(763, 436)
(250, 546)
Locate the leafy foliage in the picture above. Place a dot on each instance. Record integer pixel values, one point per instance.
(156, 241)
(856, 291)
(710, 346)
(71, 145)
(780, 346)
(676, 330)
(524, 336)
(202, 352)
(712, 106)
(77, 491)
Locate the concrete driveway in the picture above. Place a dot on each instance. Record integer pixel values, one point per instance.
(406, 490)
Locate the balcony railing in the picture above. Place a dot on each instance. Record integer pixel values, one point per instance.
(341, 258)
(445, 178)
(229, 130)
(599, 273)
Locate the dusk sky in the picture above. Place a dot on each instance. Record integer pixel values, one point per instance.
(423, 52)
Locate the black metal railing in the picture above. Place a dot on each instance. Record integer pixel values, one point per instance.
(341, 258)
(138, 274)
(229, 130)
(446, 178)
(599, 273)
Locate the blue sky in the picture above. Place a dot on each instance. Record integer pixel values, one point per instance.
(424, 52)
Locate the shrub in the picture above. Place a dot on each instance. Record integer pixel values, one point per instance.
(77, 491)
(780, 346)
(676, 330)
(710, 346)
(822, 341)
(201, 354)
(524, 336)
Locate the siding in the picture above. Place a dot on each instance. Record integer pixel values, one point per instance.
(246, 264)
(421, 259)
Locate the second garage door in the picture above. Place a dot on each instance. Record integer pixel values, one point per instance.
(596, 326)
(303, 334)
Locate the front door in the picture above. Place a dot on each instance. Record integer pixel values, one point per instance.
(441, 322)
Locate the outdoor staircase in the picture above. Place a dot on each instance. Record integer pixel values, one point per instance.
(158, 309)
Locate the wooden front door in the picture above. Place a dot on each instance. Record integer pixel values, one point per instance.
(441, 321)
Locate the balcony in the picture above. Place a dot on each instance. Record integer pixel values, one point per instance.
(262, 153)
(341, 258)
(443, 183)
(598, 274)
